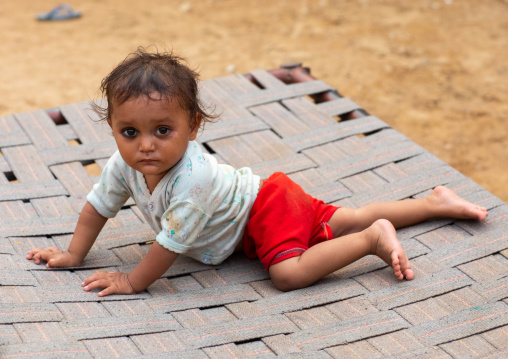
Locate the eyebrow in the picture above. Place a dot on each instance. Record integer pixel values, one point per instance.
(124, 123)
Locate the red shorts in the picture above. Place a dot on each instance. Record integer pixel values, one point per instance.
(285, 221)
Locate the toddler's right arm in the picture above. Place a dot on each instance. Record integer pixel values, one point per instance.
(89, 226)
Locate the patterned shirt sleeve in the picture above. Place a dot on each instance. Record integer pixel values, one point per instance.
(110, 194)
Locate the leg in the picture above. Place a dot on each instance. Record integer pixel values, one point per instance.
(442, 202)
(327, 257)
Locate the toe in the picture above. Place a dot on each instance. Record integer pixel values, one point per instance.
(395, 259)
(409, 274)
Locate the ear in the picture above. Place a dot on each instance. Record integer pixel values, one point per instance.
(109, 122)
(195, 127)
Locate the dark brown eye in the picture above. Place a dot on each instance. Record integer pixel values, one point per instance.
(129, 132)
(163, 130)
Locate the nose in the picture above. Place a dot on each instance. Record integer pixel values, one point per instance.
(147, 144)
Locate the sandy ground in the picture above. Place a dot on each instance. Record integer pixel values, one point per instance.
(435, 70)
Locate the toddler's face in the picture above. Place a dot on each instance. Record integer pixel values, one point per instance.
(152, 136)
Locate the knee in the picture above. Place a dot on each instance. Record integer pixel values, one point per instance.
(286, 277)
(284, 284)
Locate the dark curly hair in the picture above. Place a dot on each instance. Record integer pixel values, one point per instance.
(155, 76)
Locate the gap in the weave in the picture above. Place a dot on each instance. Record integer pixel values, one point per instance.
(240, 342)
(284, 106)
(256, 82)
(371, 133)
(57, 116)
(310, 98)
(276, 133)
(208, 148)
(74, 142)
(91, 167)
(11, 177)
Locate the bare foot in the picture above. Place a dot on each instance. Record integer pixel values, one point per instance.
(448, 204)
(387, 247)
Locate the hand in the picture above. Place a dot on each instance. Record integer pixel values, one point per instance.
(54, 257)
(113, 282)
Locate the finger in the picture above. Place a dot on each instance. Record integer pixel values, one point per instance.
(93, 277)
(33, 252)
(54, 263)
(39, 250)
(37, 258)
(97, 276)
(87, 281)
(42, 255)
(101, 283)
(107, 291)
(45, 254)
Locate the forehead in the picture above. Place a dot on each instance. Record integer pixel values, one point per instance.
(154, 105)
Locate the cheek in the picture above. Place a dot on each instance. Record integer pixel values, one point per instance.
(126, 149)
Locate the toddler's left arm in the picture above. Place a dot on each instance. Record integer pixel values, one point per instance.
(156, 262)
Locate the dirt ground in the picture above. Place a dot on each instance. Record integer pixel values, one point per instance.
(435, 70)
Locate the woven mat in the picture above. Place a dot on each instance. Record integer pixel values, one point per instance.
(457, 306)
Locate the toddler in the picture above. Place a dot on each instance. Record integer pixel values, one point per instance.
(207, 210)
